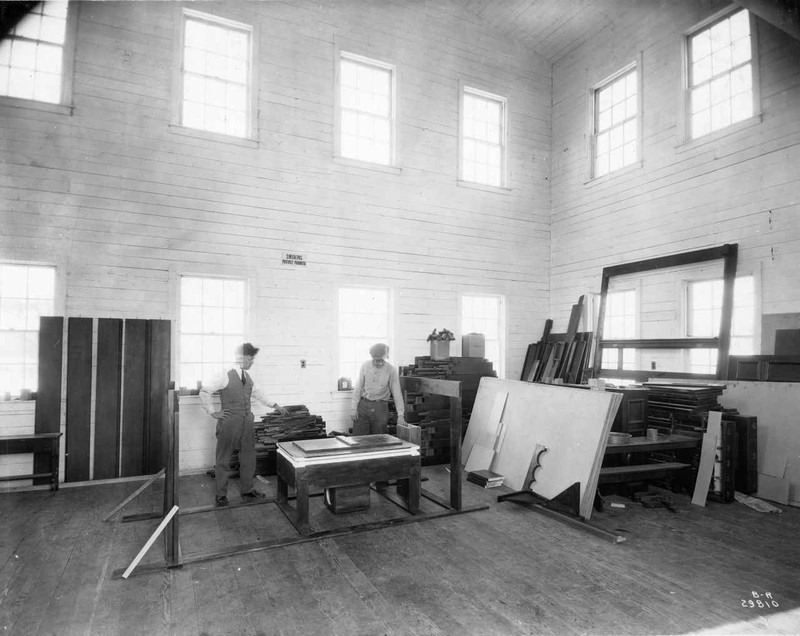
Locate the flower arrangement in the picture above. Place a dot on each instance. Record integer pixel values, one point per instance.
(442, 334)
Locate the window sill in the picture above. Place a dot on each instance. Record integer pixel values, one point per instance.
(343, 394)
(195, 133)
(366, 165)
(613, 175)
(481, 186)
(31, 104)
(690, 144)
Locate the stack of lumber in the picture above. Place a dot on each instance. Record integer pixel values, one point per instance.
(298, 424)
(559, 357)
(468, 371)
(681, 407)
(431, 413)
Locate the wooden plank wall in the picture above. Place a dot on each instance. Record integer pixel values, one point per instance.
(129, 217)
(738, 186)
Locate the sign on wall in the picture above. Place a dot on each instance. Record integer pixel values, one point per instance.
(293, 259)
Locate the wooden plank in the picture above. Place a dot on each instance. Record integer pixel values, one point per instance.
(133, 399)
(48, 394)
(150, 542)
(133, 495)
(707, 454)
(108, 398)
(79, 399)
(158, 374)
(434, 386)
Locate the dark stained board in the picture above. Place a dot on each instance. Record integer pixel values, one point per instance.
(158, 374)
(48, 392)
(133, 399)
(107, 398)
(79, 399)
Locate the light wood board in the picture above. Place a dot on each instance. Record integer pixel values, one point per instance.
(572, 423)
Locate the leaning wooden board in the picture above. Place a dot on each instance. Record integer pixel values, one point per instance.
(573, 424)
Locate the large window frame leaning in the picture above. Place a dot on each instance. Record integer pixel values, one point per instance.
(728, 253)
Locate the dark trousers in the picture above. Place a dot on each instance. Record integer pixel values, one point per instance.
(235, 432)
(373, 417)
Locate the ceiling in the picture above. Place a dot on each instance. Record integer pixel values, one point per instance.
(552, 28)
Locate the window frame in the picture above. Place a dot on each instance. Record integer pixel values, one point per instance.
(390, 325)
(685, 117)
(176, 124)
(465, 89)
(57, 300)
(246, 302)
(502, 327)
(64, 105)
(634, 66)
(357, 58)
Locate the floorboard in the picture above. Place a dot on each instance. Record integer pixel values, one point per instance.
(505, 570)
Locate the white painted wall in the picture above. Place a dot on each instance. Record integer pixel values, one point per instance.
(123, 202)
(738, 186)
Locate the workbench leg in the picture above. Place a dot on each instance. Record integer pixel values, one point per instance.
(282, 495)
(413, 489)
(301, 504)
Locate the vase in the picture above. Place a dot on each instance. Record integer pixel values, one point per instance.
(440, 349)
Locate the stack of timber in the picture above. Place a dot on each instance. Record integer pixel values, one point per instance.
(273, 428)
(431, 413)
(485, 478)
(681, 407)
(298, 424)
(559, 357)
(468, 371)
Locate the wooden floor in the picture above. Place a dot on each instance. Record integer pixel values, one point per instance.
(505, 570)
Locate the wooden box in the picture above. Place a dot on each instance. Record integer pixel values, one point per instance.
(347, 498)
(473, 345)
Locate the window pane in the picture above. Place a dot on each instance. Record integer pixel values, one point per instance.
(212, 319)
(482, 138)
(720, 58)
(216, 69)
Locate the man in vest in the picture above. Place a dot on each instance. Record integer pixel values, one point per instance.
(235, 423)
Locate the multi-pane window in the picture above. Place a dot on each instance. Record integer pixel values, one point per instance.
(32, 54)
(26, 293)
(217, 59)
(366, 102)
(616, 123)
(720, 74)
(620, 324)
(485, 315)
(483, 138)
(212, 326)
(704, 303)
(364, 319)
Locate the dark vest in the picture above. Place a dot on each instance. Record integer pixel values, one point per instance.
(236, 396)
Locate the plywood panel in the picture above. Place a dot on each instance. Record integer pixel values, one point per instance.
(133, 399)
(573, 425)
(48, 395)
(79, 399)
(108, 398)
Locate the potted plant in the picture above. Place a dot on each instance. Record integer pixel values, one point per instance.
(440, 343)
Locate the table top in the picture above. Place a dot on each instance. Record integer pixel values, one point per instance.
(344, 449)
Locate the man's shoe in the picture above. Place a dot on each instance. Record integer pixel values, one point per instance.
(253, 494)
(221, 501)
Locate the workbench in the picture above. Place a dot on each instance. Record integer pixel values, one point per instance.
(314, 465)
(45, 443)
